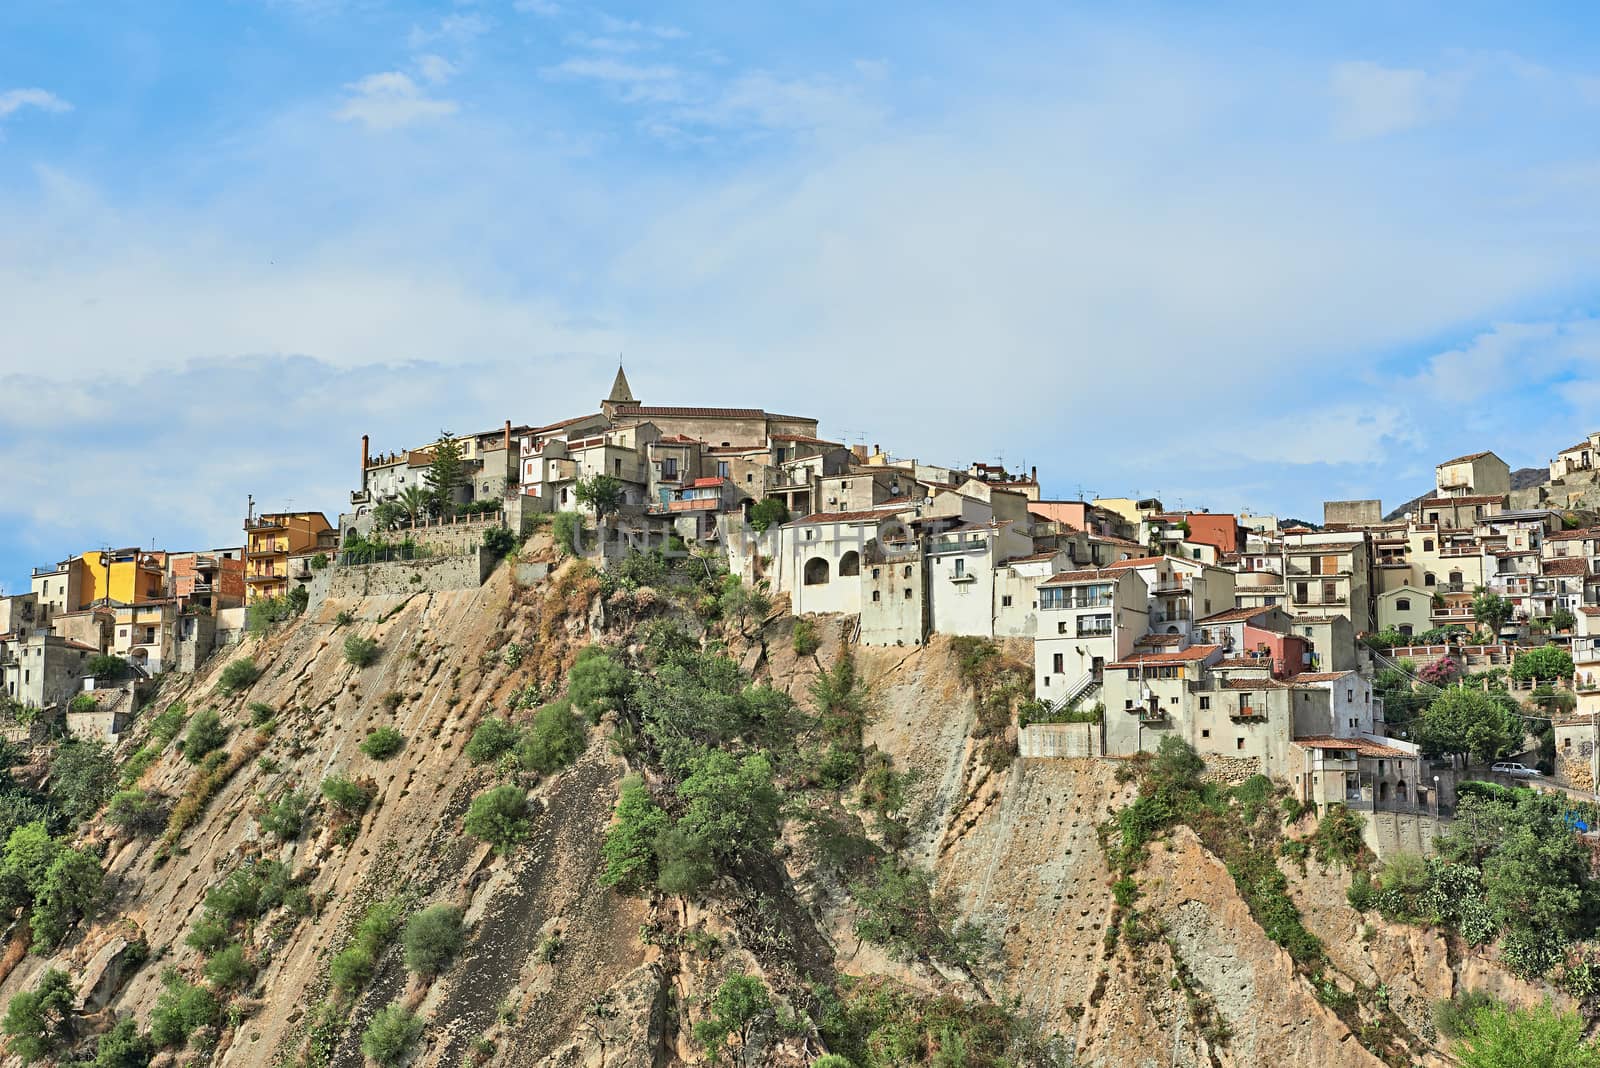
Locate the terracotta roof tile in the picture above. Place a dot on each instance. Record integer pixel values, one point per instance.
(1464, 459)
(1360, 745)
(1235, 615)
(1193, 653)
(1319, 676)
(1565, 565)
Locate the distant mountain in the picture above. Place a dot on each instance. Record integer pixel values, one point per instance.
(1522, 478)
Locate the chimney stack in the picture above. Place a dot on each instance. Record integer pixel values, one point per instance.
(508, 435)
(1035, 475)
(364, 455)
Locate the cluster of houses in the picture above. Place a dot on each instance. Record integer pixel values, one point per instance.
(1237, 633)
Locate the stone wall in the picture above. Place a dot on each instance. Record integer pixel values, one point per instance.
(1573, 766)
(1352, 513)
(1226, 770)
(400, 577)
(1059, 740)
(1388, 833)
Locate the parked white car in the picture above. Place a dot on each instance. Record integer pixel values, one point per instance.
(1507, 767)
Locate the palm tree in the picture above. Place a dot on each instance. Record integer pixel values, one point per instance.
(414, 502)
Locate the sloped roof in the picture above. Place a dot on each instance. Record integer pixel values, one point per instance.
(1467, 458)
(1361, 745)
(1236, 615)
(620, 391)
(1193, 653)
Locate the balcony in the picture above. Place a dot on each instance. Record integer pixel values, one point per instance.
(1248, 714)
(1185, 584)
(1152, 715)
(958, 545)
(963, 578)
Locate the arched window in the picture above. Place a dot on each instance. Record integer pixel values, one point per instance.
(1455, 578)
(1400, 790)
(1383, 791)
(816, 573)
(1427, 545)
(1429, 580)
(1402, 604)
(1405, 628)
(849, 564)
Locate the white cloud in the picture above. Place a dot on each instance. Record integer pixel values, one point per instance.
(611, 24)
(390, 100)
(435, 69)
(1371, 100)
(538, 7)
(1508, 354)
(13, 100)
(761, 99)
(458, 30)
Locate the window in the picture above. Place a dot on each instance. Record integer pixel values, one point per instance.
(722, 469)
(1350, 695)
(1405, 628)
(749, 476)
(961, 567)
(875, 572)
(1095, 626)
(1205, 734)
(1429, 580)
(1302, 592)
(1402, 604)
(616, 467)
(1005, 600)
(669, 468)
(874, 596)
(1205, 703)
(1427, 545)
(908, 593)
(1128, 703)
(905, 572)
(1172, 700)
(783, 454)
(1330, 592)
(1057, 663)
(1061, 627)
(1238, 743)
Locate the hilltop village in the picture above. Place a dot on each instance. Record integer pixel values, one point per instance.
(1296, 651)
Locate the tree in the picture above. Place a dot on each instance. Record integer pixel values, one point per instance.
(492, 738)
(445, 473)
(413, 502)
(742, 603)
(731, 807)
(72, 888)
(1498, 1036)
(1469, 722)
(1490, 610)
(107, 668)
(238, 675)
(768, 513)
(630, 844)
(602, 493)
(387, 515)
(499, 817)
(40, 1021)
(181, 1010)
(136, 812)
(391, 1033)
(81, 777)
(1562, 619)
(349, 798)
(740, 1008)
(433, 938)
(229, 969)
(1546, 663)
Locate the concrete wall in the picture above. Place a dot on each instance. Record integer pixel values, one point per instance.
(893, 606)
(413, 576)
(1059, 740)
(1351, 513)
(1388, 833)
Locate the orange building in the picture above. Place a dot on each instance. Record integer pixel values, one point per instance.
(271, 538)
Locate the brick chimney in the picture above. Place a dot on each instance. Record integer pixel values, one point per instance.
(364, 455)
(508, 435)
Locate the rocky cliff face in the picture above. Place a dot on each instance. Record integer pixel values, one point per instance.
(557, 971)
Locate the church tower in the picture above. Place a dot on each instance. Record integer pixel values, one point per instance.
(621, 395)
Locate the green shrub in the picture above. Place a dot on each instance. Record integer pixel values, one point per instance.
(767, 512)
(630, 843)
(390, 1035)
(136, 812)
(249, 892)
(493, 738)
(208, 934)
(806, 642)
(107, 668)
(433, 937)
(169, 723)
(598, 683)
(285, 818)
(206, 735)
(499, 817)
(347, 797)
(260, 713)
(139, 763)
(352, 968)
(362, 652)
(73, 887)
(383, 743)
(499, 540)
(1338, 836)
(181, 1010)
(567, 528)
(229, 970)
(740, 1008)
(40, 1021)
(553, 741)
(1361, 894)
(124, 1046)
(238, 675)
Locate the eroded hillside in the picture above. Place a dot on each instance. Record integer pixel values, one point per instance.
(555, 968)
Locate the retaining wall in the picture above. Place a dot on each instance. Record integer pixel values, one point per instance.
(400, 577)
(1059, 740)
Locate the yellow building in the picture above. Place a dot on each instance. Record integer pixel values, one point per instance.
(100, 577)
(273, 537)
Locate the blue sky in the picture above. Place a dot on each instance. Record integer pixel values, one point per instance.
(1238, 257)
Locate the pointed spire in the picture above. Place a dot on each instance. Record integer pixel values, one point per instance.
(620, 392)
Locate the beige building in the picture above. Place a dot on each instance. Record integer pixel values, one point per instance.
(1405, 609)
(1476, 474)
(1087, 619)
(1329, 574)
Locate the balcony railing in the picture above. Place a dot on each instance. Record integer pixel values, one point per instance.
(1174, 585)
(1248, 713)
(1151, 715)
